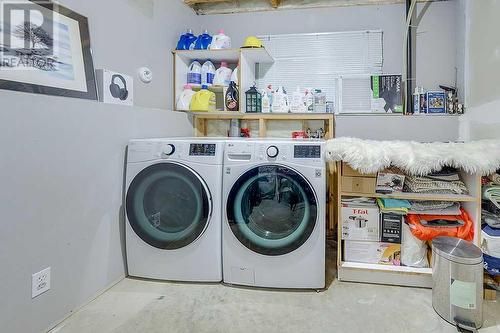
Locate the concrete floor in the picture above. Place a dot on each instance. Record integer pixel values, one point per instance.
(135, 305)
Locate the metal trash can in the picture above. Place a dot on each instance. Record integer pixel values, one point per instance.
(457, 289)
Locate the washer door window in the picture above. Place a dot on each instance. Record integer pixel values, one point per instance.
(168, 206)
(272, 210)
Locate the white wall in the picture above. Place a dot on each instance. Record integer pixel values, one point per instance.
(436, 54)
(61, 195)
(128, 34)
(62, 163)
(482, 118)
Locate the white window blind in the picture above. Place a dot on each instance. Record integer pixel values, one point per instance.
(316, 60)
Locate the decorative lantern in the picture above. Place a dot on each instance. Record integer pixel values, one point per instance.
(254, 100)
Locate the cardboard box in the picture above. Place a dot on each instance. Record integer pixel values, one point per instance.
(372, 252)
(360, 222)
(436, 102)
(358, 184)
(390, 227)
(114, 87)
(387, 95)
(350, 172)
(389, 182)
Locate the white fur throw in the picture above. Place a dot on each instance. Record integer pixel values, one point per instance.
(368, 156)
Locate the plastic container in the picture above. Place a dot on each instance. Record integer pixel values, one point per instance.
(187, 41)
(490, 241)
(234, 76)
(319, 101)
(309, 101)
(194, 73)
(203, 100)
(280, 101)
(223, 75)
(184, 100)
(220, 41)
(232, 97)
(203, 41)
(207, 73)
(297, 103)
(266, 102)
(457, 288)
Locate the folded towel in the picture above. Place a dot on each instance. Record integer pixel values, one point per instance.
(495, 178)
(428, 185)
(490, 219)
(395, 203)
(393, 210)
(492, 193)
(454, 209)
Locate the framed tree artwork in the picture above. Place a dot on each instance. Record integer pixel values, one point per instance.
(45, 49)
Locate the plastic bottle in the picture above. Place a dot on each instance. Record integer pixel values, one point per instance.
(220, 41)
(297, 103)
(207, 73)
(319, 101)
(280, 100)
(223, 75)
(416, 101)
(185, 98)
(266, 102)
(203, 41)
(231, 99)
(309, 101)
(187, 41)
(234, 76)
(194, 73)
(203, 100)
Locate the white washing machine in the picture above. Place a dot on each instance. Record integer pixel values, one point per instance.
(173, 209)
(274, 206)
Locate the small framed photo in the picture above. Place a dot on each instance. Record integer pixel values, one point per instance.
(45, 49)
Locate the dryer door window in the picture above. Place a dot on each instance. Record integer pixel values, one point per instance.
(272, 210)
(168, 206)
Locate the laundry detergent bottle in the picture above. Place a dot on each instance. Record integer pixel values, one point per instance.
(232, 97)
(203, 41)
(194, 73)
(184, 100)
(187, 41)
(223, 75)
(203, 100)
(207, 73)
(220, 41)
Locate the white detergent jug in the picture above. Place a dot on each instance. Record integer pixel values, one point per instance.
(297, 104)
(223, 75)
(185, 98)
(220, 41)
(207, 73)
(194, 73)
(309, 101)
(280, 100)
(266, 102)
(234, 76)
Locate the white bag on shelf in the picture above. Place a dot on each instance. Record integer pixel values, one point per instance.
(413, 250)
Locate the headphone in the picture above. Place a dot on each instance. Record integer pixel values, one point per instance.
(116, 91)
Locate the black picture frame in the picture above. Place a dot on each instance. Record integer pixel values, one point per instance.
(90, 79)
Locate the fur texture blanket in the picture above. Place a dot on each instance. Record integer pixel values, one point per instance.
(368, 156)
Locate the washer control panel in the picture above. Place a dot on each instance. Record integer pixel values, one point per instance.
(307, 151)
(202, 149)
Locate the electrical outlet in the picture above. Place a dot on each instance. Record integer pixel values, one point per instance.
(40, 282)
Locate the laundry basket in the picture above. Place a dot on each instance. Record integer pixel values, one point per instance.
(457, 290)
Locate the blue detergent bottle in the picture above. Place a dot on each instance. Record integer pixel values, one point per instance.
(203, 42)
(187, 41)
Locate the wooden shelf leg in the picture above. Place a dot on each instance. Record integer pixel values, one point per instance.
(262, 128)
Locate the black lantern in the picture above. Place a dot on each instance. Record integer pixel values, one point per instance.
(254, 100)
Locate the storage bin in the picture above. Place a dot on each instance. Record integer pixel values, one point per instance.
(457, 288)
(350, 172)
(491, 241)
(358, 184)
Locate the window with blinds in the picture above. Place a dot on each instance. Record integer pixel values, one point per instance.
(317, 61)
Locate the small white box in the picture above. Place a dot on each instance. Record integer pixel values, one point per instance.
(115, 88)
(372, 252)
(360, 222)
